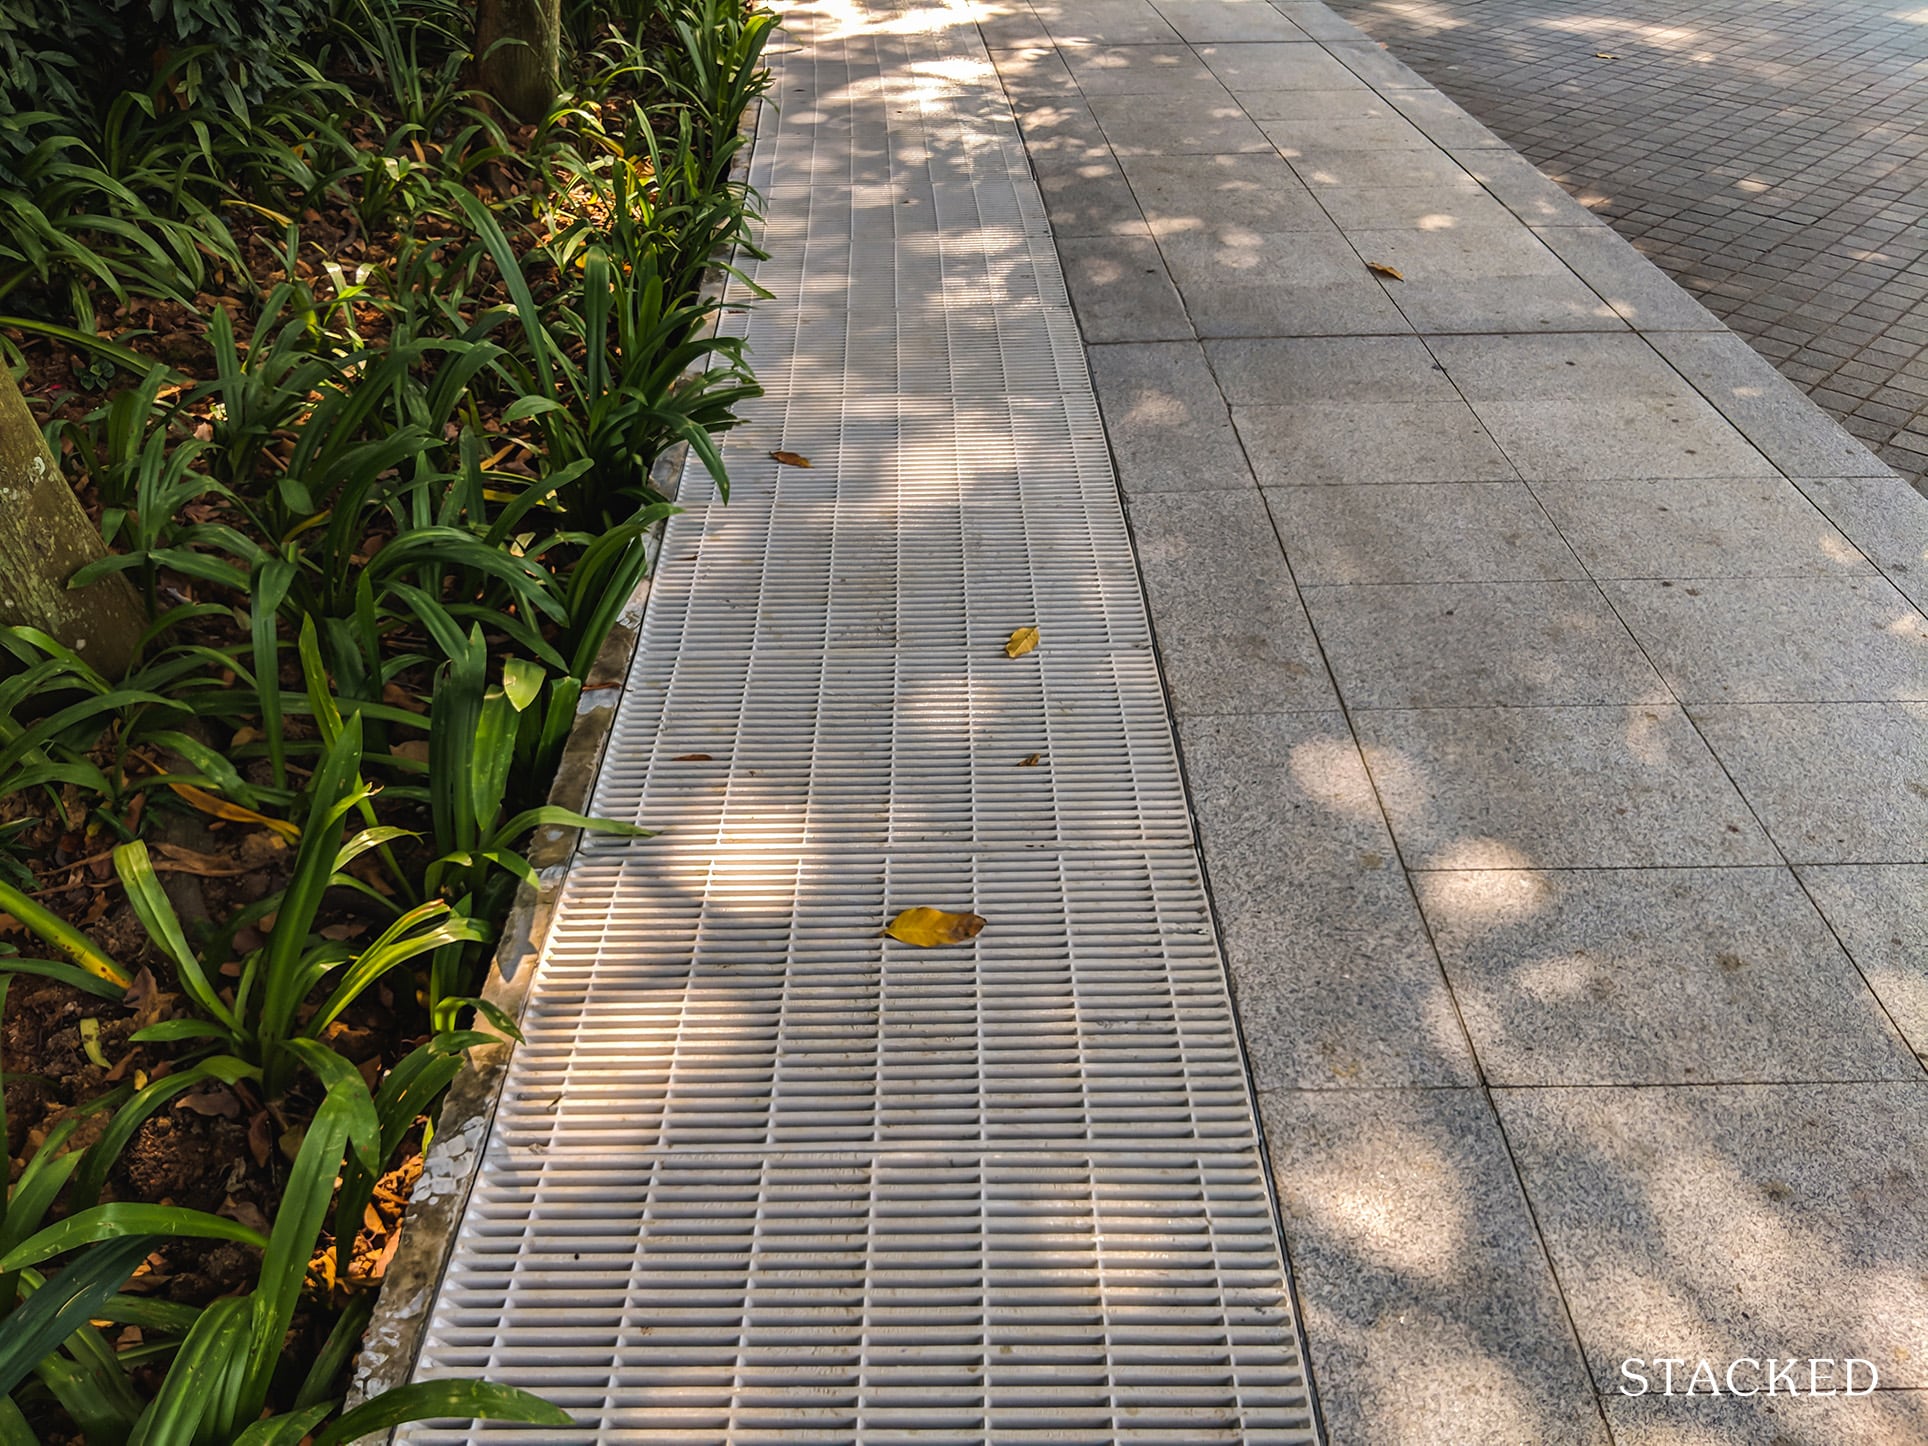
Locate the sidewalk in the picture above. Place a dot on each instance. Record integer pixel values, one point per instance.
(1553, 693)
(1552, 702)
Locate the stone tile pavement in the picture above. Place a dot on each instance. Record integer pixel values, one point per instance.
(1552, 684)
(1770, 156)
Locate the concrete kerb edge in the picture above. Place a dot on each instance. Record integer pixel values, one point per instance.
(392, 1342)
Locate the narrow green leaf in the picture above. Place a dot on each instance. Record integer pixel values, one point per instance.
(57, 1309)
(111, 1222)
(85, 953)
(439, 1400)
(157, 916)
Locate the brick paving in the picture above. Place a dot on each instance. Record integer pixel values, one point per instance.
(1771, 156)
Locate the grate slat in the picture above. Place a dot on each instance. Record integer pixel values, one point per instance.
(758, 1174)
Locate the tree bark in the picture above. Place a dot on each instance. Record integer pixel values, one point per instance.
(518, 48)
(45, 538)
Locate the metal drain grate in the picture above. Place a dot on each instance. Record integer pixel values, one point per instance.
(757, 1174)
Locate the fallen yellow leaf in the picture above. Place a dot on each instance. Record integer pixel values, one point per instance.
(1603, 55)
(791, 459)
(1022, 641)
(1030, 760)
(928, 928)
(234, 812)
(1379, 268)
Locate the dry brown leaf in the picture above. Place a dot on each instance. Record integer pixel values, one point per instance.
(1030, 760)
(233, 812)
(928, 928)
(217, 1101)
(1379, 268)
(791, 459)
(691, 758)
(174, 859)
(1022, 641)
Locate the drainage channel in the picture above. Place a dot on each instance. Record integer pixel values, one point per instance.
(759, 1174)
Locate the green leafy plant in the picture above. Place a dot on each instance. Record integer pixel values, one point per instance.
(228, 1359)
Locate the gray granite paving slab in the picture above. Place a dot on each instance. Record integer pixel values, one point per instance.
(1833, 782)
(1885, 518)
(1183, 124)
(1355, 443)
(1120, 289)
(1756, 640)
(1294, 135)
(1884, 1418)
(1521, 188)
(1880, 913)
(1375, 65)
(1032, 72)
(1167, 423)
(1247, 66)
(1204, 21)
(1688, 528)
(1630, 437)
(1445, 123)
(1318, 20)
(1105, 22)
(1090, 197)
(1339, 168)
(1456, 645)
(1654, 976)
(1206, 194)
(1557, 368)
(1742, 1220)
(1299, 370)
(1010, 22)
(1512, 788)
(1416, 208)
(1429, 1307)
(1797, 436)
(1639, 292)
(1140, 70)
(1484, 279)
(1277, 283)
(1337, 984)
(1353, 103)
(1231, 633)
(1429, 532)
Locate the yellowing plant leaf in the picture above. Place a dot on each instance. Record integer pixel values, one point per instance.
(791, 459)
(1379, 268)
(928, 928)
(1030, 760)
(1022, 641)
(234, 812)
(90, 1042)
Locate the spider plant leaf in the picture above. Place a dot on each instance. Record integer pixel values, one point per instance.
(124, 1219)
(62, 1305)
(156, 913)
(83, 951)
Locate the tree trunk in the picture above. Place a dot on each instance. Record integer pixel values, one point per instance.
(45, 538)
(518, 49)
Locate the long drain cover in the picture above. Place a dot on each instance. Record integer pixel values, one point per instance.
(758, 1174)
